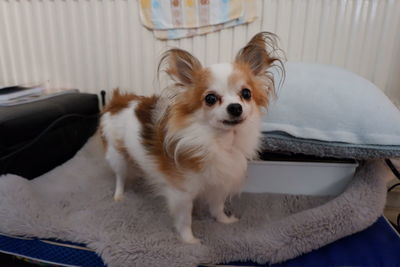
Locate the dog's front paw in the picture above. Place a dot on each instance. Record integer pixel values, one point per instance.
(191, 240)
(188, 238)
(118, 197)
(227, 219)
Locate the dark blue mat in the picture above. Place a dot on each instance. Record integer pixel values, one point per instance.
(379, 245)
(52, 252)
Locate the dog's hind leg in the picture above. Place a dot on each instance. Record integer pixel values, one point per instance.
(119, 165)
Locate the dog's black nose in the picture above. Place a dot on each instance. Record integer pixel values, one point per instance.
(235, 109)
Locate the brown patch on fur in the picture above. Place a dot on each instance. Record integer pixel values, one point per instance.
(187, 160)
(119, 101)
(121, 148)
(243, 72)
(102, 137)
(190, 100)
(153, 137)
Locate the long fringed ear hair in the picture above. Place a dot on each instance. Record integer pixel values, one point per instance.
(260, 54)
(180, 65)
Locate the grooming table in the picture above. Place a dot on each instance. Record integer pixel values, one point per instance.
(378, 245)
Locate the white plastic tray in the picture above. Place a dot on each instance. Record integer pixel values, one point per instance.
(300, 178)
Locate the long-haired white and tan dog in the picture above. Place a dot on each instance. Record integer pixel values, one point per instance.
(193, 141)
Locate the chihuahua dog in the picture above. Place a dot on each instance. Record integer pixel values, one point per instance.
(194, 139)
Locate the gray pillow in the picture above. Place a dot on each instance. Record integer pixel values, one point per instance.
(327, 111)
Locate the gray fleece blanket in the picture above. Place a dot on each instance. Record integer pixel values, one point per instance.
(74, 202)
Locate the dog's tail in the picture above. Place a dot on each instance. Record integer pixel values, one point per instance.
(119, 101)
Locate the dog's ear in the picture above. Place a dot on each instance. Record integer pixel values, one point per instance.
(258, 53)
(180, 65)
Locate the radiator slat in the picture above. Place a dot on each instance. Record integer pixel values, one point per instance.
(98, 45)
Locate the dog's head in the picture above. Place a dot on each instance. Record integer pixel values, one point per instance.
(227, 94)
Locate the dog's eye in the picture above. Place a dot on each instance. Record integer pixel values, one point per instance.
(211, 99)
(246, 93)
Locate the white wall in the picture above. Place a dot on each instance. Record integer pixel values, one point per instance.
(98, 45)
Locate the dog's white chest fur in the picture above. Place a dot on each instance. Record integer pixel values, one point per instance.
(227, 164)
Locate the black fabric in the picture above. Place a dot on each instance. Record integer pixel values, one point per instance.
(38, 136)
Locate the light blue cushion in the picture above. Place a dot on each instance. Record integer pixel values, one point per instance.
(330, 106)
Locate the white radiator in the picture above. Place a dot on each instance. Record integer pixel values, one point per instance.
(98, 45)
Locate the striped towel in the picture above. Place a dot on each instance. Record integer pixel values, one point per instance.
(175, 19)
